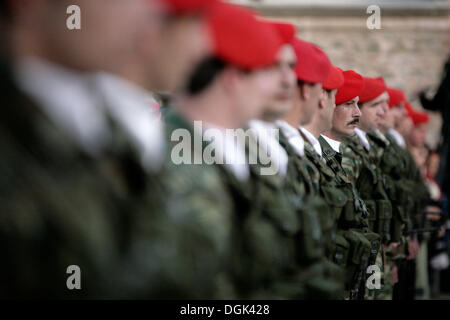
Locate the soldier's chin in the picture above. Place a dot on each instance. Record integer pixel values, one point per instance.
(351, 129)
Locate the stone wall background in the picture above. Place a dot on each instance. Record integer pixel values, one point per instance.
(409, 50)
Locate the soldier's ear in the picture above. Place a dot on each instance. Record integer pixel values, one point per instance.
(303, 90)
(323, 99)
(231, 79)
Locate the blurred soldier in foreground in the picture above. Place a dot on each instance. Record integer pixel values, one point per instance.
(76, 188)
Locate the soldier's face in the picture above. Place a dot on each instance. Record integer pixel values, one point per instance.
(419, 154)
(108, 34)
(253, 90)
(388, 120)
(282, 100)
(184, 42)
(399, 114)
(393, 116)
(405, 126)
(307, 100)
(346, 118)
(373, 112)
(417, 135)
(327, 112)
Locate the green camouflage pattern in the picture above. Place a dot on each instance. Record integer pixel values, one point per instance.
(353, 223)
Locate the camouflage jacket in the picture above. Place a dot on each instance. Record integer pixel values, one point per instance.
(353, 222)
(355, 215)
(329, 191)
(268, 256)
(63, 207)
(409, 189)
(362, 166)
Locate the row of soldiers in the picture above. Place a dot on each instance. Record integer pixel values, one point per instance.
(92, 176)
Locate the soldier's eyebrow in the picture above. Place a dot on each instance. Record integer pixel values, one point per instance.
(376, 103)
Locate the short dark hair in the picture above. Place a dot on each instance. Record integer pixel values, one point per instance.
(204, 74)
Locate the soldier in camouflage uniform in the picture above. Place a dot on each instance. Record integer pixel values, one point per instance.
(400, 165)
(323, 279)
(303, 175)
(259, 226)
(362, 162)
(337, 246)
(397, 182)
(353, 218)
(82, 193)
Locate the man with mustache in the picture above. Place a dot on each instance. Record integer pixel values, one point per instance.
(361, 161)
(353, 219)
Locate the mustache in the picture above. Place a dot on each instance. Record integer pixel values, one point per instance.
(354, 121)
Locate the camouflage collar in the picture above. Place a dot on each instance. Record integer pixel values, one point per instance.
(332, 158)
(239, 170)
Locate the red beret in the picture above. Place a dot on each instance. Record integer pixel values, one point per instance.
(313, 64)
(180, 7)
(286, 31)
(409, 109)
(242, 40)
(352, 87)
(396, 97)
(335, 79)
(373, 87)
(419, 117)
